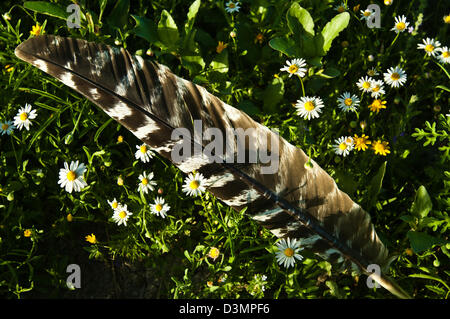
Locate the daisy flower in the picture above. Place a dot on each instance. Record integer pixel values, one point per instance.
(444, 56)
(377, 105)
(372, 72)
(232, 6)
(71, 177)
(146, 182)
(23, 117)
(341, 7)
(159, 208)
(366, 14)
(309, 107)
(430, 46)
(343, 145)
(194, 184)
(214, 253)
(395, 77)
(361, 142)
(121, 215)
(288, 252)
(143, 153)
(365, 84)
(296, 67)
(377, 88)
(381, 148)
(114, 203)
(7, 127)
(347, 102)
(400, 24)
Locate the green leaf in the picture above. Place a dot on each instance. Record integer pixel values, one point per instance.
(194, 63)
(248, 107)
(193, 10)
(118, 17)
(375, 185)
(421, 241)
(299, 20)
(331, 31)
(273, 94)
(284, 45)
(329, 73)
(168, 30)
(146, 29)
(422, 203)
(47, 8)
(443, 87)
(220, 62)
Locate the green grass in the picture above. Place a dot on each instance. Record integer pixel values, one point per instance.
(405, 192)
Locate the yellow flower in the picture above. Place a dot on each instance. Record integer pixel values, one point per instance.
(409, 251)
(388, 2)
(91, 238)
(69, 217)
(213, 253)
(377, 105)
(259, 38)
(381, 148)
(356, 8)
(447, 19)
(209, 283)
(221, 46)
(361, 142)
(9, 68)
(119, 139)
(27, 232)
(36, 30)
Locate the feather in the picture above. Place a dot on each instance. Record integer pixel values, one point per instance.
(282, 193)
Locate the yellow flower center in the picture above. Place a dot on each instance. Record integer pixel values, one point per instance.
(445, 54)
(367, 13)
(114, 205)
(123, 214)
(143, 149)
(395, 76)
(144, 181)
(341, 9)
(447, 19)
(5, 126)
(366, 85)
(349, 141)
(214, 253)
(348, 101)
(194, 184)
(27, 233)
(23, 116)
(309, 106)
(71, 176)
(289, 252)
(293, 68)
(401, 26)
(376, 88)
(158, 207)
(429, 48)
(231, 5)
(343, 146)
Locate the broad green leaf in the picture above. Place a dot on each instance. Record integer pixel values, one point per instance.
(375, 185)
(118, 17)
(283, 45)
(146, 29)
(194, 63)
(299, 20)
(273, 94)
(220, 62)
(167, 30)
(422, 203)
(248, 107)
(47, 8)
(193, 9)
(331, 31)
(421, 241)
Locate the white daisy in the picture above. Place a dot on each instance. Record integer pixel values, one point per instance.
(194, 184)
(372, 72)
(400, 24)
(146, 182)
(309, 107)
(366, 14)
(232, 6)
(444, 56)
(430, 46)
(144, 153)
(7, 127)
(114, 203)
(395, 77)
(341, 7)
(343, 145)
(71, 177)
(348, 102)
(296, 67)
(365, 84)
(23, 117)
(377, 88)
(159, 208)
(288, 252)
(121, 215)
